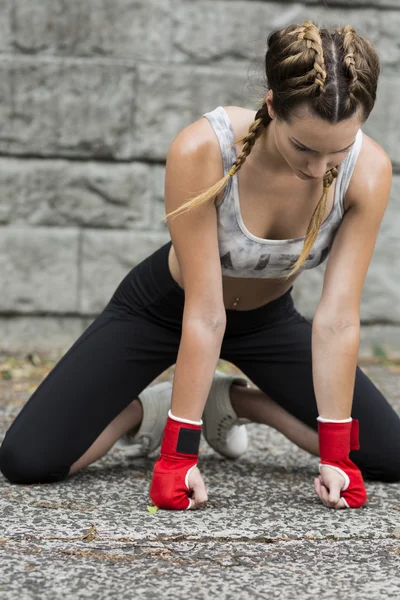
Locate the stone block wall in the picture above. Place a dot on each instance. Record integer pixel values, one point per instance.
(91, 96)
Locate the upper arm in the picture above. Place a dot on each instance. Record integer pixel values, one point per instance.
(354, 243)
(194, 163)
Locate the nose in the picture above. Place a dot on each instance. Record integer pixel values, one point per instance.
(317, 174)
(318, 169)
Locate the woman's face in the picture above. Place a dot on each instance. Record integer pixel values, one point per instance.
(312, 146)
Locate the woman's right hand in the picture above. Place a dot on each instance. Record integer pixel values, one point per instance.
(198, 493)
(177, 483)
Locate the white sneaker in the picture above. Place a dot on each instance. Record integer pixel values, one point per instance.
(156, 402)
(224, 431)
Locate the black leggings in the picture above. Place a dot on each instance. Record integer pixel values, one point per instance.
(137, 337)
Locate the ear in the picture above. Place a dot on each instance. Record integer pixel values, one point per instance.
(268, 101)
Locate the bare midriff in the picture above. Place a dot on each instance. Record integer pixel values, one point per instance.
(252, 293)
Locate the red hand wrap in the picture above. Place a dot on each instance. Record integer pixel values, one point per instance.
(335, 442)
(179, 453)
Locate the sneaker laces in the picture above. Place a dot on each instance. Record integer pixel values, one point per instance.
(225, 424)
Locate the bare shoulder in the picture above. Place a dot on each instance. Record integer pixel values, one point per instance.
(199, 143)
(373, 170)
(197, 136)
(200, 133)
(241, 119)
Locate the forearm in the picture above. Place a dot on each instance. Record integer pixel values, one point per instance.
(334, 364)
(197, 359)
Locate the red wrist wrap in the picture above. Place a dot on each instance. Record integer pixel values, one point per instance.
(179, 453)
(335, 442)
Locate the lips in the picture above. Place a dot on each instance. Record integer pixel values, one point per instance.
(308, 176)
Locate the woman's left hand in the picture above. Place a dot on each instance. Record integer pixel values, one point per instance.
(328, 486)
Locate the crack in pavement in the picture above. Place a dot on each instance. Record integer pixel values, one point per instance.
(204, 539)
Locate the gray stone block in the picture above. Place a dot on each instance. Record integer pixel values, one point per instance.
(68, 193)
(28, 106)
(383, 123)
(379, 27)
(388, 44)
(53, 107)
(207, 31)
(38, 270)
(22, 335)
(366, 22)
(171, 97)
(5, 26)
(358, 3)
(107, 257)
(139, 29)
(380, 299)
(158, 173)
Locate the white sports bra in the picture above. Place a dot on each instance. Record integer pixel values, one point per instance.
(243, 254)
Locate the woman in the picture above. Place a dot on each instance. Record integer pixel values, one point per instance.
(222, 288)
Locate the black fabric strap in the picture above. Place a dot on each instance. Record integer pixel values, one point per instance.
(188, 441)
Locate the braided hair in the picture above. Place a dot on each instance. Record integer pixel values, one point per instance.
(335, 74)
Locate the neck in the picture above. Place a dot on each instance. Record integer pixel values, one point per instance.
(265, 154)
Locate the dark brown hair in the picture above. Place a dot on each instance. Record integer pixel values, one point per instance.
(332, 73)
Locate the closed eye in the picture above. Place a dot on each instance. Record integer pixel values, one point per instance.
(306, 150)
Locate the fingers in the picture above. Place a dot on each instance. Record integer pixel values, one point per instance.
(328, 486)
(199, 496)
(199, 492)
(195, 505)
(323, 493)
